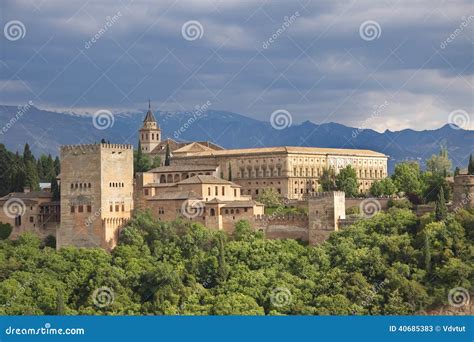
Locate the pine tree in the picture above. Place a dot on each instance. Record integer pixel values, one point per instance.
(230, 173)
(440, 207)
(168, 155)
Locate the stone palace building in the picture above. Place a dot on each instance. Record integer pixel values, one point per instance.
(204, 183)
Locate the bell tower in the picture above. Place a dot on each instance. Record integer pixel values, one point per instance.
(150, 133)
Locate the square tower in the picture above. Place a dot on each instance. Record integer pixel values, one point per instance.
(96, 194)
(324, 212)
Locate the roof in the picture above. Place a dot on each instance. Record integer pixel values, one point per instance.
(28, 195)
(239, 204)
(287, 149)
(175, 145)
(173, 195)
(183, 168)
(205, 179)
(193, 148)
(149, 117)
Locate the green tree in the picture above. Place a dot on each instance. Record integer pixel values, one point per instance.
(470, 166)
(407, 178)
(270, 198)
(5, 230)
(328, 179)
(346, 180)
(441, 210)
(376, 189)
(55, 190)
(60, 306)
(167, 155)
(457, 170)
(439, 164)
(30, 169)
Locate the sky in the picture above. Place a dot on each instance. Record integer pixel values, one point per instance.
(388, 64)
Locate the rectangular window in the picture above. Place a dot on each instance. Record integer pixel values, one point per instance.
(116, 207)
(73, 209)
(235, 192)
(31, 219)
(111, 208)
(223, 191)
(123, 207)
(216, 191)
(89, 208)
(80, 209)
(146, 192)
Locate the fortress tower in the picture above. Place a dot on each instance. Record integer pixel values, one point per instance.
(150, 133)
(324, 212)
(96, 194)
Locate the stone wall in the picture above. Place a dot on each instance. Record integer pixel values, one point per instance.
(463, 192)
(96, 194)
(282, 227)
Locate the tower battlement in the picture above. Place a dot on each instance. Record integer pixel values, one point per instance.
(94, 147)
(314, 195)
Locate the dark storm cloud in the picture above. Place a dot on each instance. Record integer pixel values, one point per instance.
(254, 57)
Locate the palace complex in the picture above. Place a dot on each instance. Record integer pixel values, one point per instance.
(202, 182)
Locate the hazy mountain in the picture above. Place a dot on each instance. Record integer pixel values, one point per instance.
(45, 131)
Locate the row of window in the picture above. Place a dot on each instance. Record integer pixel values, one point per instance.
(80, 208)
(258, 171)
(152, 136)
(354, 161)
(80, 185)
(116, 185)
(258, 160)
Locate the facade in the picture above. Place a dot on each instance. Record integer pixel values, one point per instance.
(96, 194)
(292, 171)
(204, 198)
(30, 212)
(463, 191)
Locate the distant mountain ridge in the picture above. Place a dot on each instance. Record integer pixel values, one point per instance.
(46, 130)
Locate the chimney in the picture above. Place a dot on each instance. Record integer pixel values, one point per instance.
(26, 189)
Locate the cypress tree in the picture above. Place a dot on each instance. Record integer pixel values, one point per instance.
(470, 166)
(60, 306)
(57, 166)
(440, 208)
(456, 171)
(427, 252)
(223, 270)
(168, 155)
(230, 173)
(55, 189)
(30, 168)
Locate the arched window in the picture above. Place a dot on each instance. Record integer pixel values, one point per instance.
(162, 179)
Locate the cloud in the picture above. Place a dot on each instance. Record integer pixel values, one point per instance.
(74, 57)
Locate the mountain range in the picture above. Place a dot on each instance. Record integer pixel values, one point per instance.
(45, 130)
